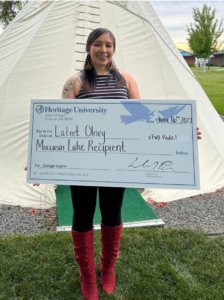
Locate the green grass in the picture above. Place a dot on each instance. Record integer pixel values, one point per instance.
(213, 84)
(152, 264)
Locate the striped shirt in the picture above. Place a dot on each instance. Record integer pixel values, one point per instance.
(105, 88)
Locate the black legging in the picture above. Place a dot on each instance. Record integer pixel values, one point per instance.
(84, 204)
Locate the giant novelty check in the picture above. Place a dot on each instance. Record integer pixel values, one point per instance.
(116, 143)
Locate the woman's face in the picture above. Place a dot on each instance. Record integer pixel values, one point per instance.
(102, 50)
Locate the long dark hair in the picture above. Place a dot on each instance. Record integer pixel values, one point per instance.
(89, 76)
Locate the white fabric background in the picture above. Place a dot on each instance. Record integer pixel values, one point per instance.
(45, 44)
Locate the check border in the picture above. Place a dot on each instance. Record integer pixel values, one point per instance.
(100, 102)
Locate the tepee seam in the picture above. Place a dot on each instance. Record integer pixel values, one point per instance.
(120, 40)
(156, 44)
(156, 33)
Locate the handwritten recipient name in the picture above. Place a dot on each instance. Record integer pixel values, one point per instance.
(152, 166)
(89, 131)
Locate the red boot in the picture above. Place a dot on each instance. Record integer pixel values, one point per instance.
(110, 237)
(84, 255)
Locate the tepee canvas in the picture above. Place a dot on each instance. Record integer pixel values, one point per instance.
(45, 44)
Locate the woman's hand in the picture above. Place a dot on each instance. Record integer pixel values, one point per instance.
(199, 134)
(33, 183)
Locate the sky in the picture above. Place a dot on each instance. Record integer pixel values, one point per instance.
(175, 15)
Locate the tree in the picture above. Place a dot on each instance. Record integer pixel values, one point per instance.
(9, 9)
(204, 33)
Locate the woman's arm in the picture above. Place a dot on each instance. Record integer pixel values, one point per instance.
(71, 88)
(133, 92)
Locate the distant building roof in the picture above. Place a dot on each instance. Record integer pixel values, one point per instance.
(185, 53)
(219, 52)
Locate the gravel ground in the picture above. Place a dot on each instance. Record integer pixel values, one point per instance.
(18, 219)
(204, 212)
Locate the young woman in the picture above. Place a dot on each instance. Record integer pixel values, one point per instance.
(100, 79)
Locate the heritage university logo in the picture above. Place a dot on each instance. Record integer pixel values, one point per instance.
(40, 109)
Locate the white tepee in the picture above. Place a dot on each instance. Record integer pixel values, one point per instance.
(45, 44)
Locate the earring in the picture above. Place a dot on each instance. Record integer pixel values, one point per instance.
(88, 64)
(111, 66)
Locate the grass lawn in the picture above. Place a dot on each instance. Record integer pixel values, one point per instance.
(213, 84)
(152, 264)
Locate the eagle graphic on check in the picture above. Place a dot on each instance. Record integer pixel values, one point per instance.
(139, 112)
